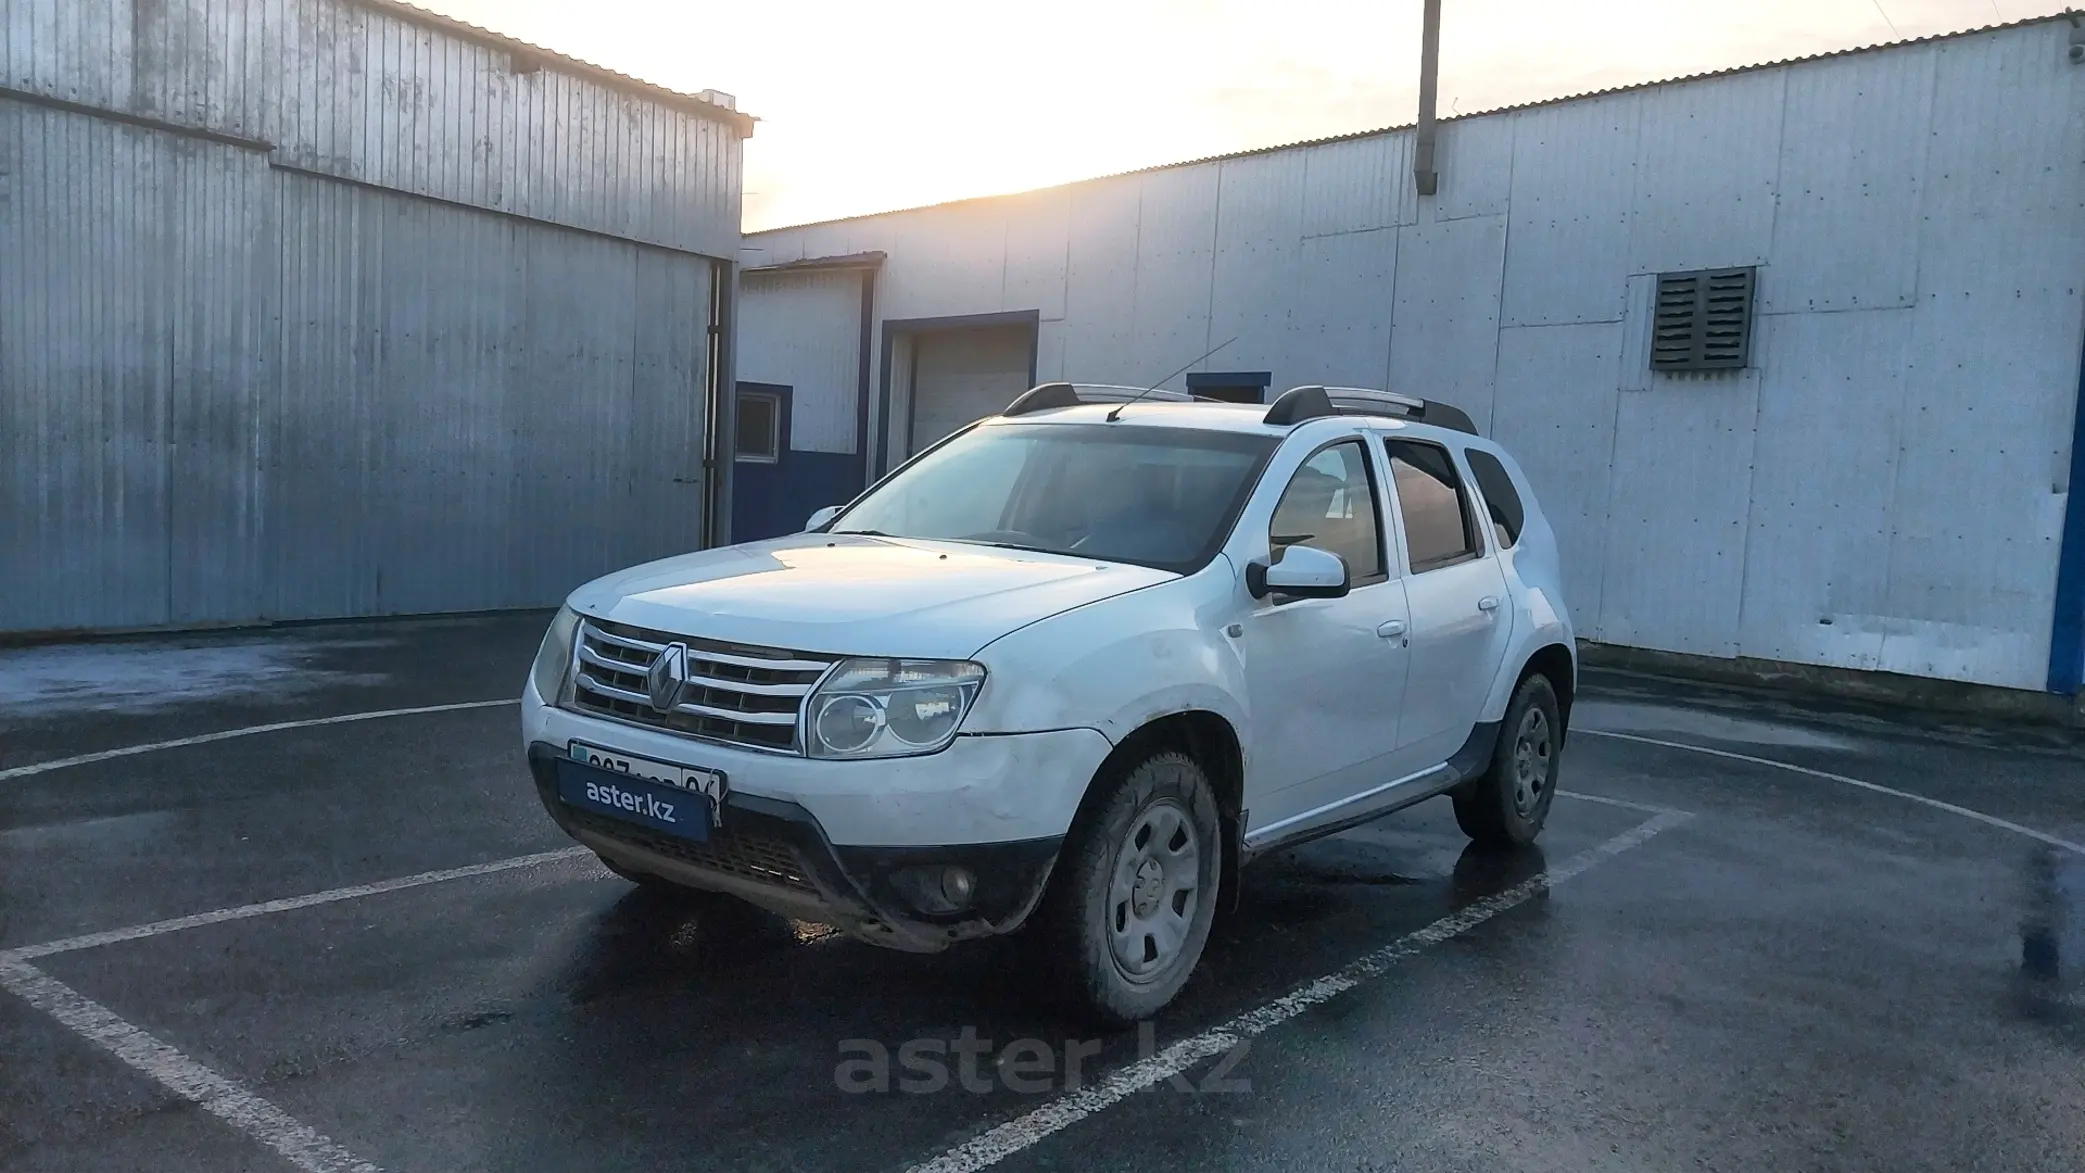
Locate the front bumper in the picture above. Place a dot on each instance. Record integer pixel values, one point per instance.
(995, 789)
(825, 841)
(775, 854)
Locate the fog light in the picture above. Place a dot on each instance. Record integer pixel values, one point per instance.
(936, 890)
(958, 885)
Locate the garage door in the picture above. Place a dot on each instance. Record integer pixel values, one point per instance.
(964, 375)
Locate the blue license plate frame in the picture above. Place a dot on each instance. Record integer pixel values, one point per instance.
(668, 810)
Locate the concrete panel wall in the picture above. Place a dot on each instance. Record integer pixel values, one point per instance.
(1819, 528)
(1852, 168)
(1339, 314)
(1996, 332)
(1175, 259)
(1574, 175)
(1883, 489)
(1555, 407)
(1260, 253)
(1445, 327)
(1100, 285)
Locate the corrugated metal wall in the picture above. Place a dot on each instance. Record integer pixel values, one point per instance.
(134, 324)
(1883, 489)
(241, 384)
(803, 331)
(487, 410)
(338, 88)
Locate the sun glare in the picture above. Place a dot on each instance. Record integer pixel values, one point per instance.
(866, 108)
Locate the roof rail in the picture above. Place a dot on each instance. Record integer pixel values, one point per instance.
(1298, 404)
(1047, 396)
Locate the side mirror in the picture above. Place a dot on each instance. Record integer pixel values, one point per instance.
(821, 517)
(1304, 572)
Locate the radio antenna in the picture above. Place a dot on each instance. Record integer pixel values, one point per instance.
(1162, 382)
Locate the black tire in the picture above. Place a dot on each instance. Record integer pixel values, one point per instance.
(1507, 804)
(1088, 921)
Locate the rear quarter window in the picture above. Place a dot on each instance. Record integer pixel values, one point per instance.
(1508, 515)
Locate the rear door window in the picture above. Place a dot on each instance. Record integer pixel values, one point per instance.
(1439, 530)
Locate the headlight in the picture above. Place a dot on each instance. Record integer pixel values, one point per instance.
(890, 708)
(555, 656)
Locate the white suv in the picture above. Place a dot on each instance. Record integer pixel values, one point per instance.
(1069, 669)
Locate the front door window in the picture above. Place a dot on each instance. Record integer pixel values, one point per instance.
(1330, 505)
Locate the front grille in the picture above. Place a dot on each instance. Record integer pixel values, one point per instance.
(736, 694)
(748, 857)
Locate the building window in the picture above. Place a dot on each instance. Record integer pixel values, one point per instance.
(1500, 497)
(1438, 528)
(759, 427)
(1703, 320)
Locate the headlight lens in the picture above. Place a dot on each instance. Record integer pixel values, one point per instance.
(555, 656)
(847, 723)
(891, 708)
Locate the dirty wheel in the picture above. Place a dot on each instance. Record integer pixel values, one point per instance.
(1507, 804)
(1128, 911)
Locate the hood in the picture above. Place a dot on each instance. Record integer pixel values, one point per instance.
(849, 594)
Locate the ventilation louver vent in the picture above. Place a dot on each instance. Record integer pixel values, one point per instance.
(1703, 320)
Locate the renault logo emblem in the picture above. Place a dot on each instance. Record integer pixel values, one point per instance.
(667, 675)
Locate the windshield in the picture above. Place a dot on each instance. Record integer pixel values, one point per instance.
(1161, 497)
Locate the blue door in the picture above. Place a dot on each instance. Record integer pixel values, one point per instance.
(776, 488)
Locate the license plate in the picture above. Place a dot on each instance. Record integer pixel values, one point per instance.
(684, 814)
(711, 784)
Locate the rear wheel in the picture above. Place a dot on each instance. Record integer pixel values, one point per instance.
(1128, 912)
(1507, 804)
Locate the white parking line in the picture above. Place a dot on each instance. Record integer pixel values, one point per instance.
(1625, 804)
(1922, 800)
(1024, 1131)
(305, 1147)
(288, 904)
(228, 734)
(313, 1152)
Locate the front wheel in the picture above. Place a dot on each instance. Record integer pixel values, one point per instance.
(1128, 912)
(1507, 804)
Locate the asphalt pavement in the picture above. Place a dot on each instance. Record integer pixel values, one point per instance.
(1757, 935)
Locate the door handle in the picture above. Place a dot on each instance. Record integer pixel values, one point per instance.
(1391, 630)
(1488, 603)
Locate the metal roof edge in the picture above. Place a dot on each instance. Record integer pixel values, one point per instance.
(862, 260)
(1585, 95)
(691, 103)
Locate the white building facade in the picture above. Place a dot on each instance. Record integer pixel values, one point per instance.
(1883, 484)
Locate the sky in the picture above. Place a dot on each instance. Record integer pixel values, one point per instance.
(871, 106)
